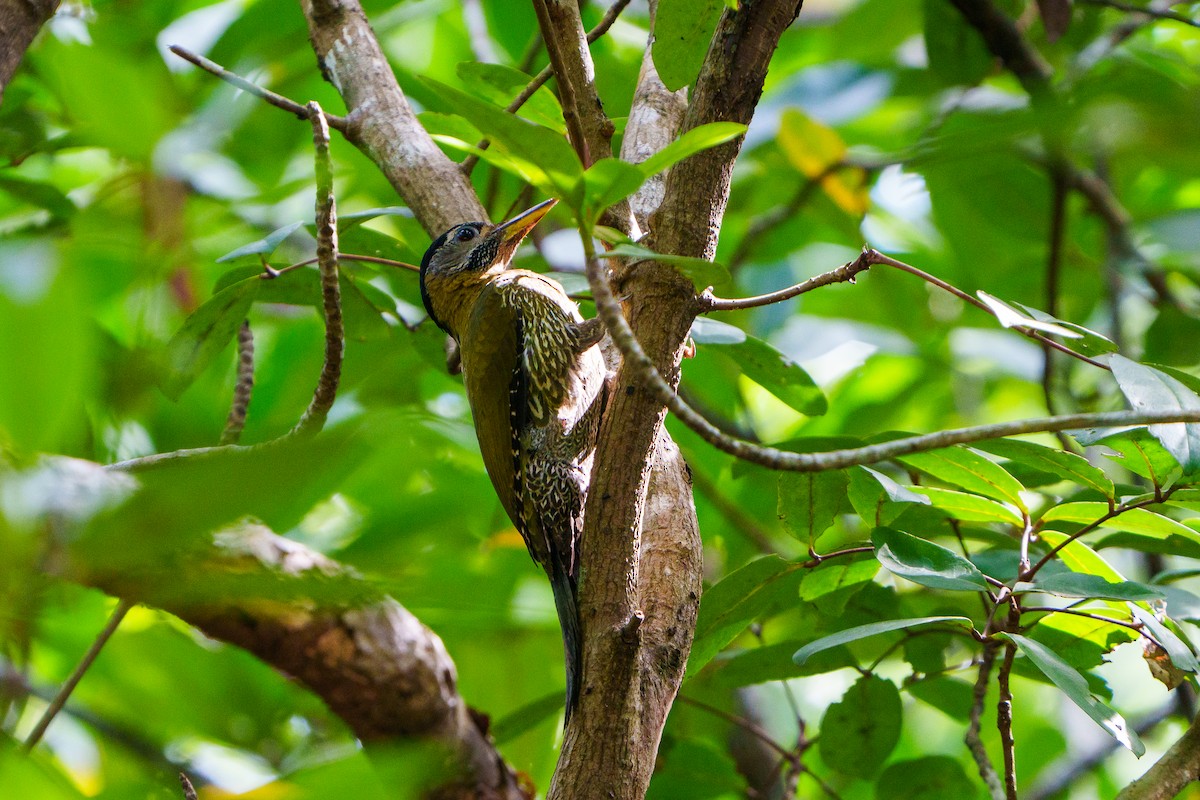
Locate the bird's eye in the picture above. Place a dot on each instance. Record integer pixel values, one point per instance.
(465, 235)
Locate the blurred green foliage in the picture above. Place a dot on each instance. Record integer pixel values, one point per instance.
(139, 199)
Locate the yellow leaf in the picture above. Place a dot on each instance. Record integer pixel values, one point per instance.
(814, 149)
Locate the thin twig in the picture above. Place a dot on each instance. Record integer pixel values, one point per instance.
(1058, 226)
(189, 791)
(609, 310)
(846, 273)
(60, 699)
(1159, 496)
(327, 245)
(1004, 718)
(879, 258)
(539, 80)
(277, 100)
(236, 420)
(983, 761)
(1144, 11)
(1136, 627)
(743, 723)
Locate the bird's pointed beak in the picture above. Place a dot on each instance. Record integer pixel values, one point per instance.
(514, 230)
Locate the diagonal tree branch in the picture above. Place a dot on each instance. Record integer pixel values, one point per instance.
(372, 662)
(20, 20)
(382, 123)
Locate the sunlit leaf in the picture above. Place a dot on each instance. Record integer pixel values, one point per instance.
(968, 507)
(264, 246)
(967, 469)
(814, 150)
(1073, 685)
(691, 142)
(1148, 389)
(1066, 465)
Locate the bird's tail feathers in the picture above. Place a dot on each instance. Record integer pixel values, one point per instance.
(566, 602)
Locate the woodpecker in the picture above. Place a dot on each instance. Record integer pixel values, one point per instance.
(535, 382)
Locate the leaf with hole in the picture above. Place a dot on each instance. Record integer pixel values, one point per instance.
(682, 31)
(1075, 687)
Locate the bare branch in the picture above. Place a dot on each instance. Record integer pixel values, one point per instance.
(85, 663)
(655, 119)
(189, 791)
(372, 662)
(588, 127)
(327, 246)
(1153, 13)
(1006, 42)
(277, 100)
(1004, 721)
(244, 385)
(846, 273)
(983, 762)
(381, 122)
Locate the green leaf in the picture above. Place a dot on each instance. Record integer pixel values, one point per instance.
(691, 142)
(608, 181)
(40, 194)
(542, 152)
(860, 731)
(1073, 685)
(809, 503)
(1135, 520)
(868, 630)
(771, 663)
(702, 272)
(734, 602)
(969, 507)
(500, 84)
(878, 499)
(527, 717)
(763, 364)
(1068, 466)
(682, 31)
(836, 574)
(1081, 558)
(925, 563)
(967, 469)
(205, 334)
(1076, 584)
(1085, 340)
(1140, 453)
(957, 54)
(1149, 389)
(951, 696)
(929, 778)
(264, 246)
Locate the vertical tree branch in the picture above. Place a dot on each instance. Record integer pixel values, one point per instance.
(243, 387)
(1175, 770)
(327, 258)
